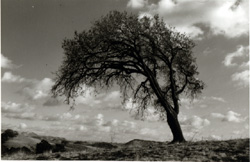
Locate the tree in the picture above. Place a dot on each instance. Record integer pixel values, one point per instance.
(142, 55)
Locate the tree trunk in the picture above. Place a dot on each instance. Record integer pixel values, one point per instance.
(175, 128)
(172, 116)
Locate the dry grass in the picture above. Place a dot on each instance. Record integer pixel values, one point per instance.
(139, 150)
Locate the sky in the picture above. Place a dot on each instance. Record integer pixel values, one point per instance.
(32, 32)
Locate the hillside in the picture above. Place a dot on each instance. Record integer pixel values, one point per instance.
(140, 150)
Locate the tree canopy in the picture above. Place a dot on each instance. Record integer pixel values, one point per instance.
(143, 56)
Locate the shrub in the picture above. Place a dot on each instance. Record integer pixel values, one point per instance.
(58, 148)
(43, 146)
(7, 134)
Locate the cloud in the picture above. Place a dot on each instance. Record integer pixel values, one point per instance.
(100, 101)
(246, 126)
(242, 51)
(34, 89)
(82, 128)
(197, 122)
(233, 117)
(7, 63)
(52, 102)
(8, 77)
(149, 132)
(220, 99)
(19, 111)
(38, 90)
(67, 116)
(137, 3)
(24, 115)
(201, 102)
(218, 115)
(237, 59)
(26, 112)
(194, 122)
(148, 114)
(229, 21)
(242, 78)
(223, 17)
(245, 65)
(12, 107)
(22, 126)
(93, 125)
(230, 116)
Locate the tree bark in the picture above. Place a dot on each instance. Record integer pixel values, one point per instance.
(175, 128)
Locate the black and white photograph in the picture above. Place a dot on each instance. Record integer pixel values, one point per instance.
(125, 80)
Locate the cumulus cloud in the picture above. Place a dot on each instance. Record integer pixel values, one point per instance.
(19, 111)
(230, 116)
(242, 51)
(245, 65)
(223, 17)
(52, 102)
(148, 114)
(198, 122)
(194, 122)
(12, 107)
(22, 126)
(95, 128)
(201, 102)
(137, 3)
(99, 119)
(82, 128)
(233, 117)
(103, 100)
(38, 90)
(8, 77)
(217, 115)
(66, 116)
(26, 111)
(98, 123)
(242, 78)
(238, 59)
(220, 99)
(7, 63)
(147, 131)
(24, 115)
(33, 89)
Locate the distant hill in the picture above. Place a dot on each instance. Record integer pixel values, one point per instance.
(22, 141)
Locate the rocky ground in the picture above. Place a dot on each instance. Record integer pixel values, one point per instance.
(139, 150)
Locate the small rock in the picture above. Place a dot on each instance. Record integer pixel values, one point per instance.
(222, 154)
